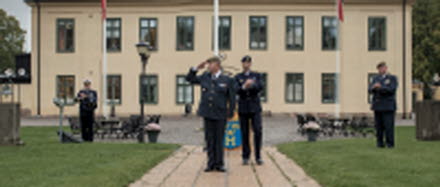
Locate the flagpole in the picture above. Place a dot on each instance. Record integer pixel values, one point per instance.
(216, 24)
(338, 61)
(104, 59)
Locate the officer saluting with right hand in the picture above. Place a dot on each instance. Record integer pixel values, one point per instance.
(249, 109)
(217, 104)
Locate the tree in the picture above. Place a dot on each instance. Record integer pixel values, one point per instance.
(11, 40)
(426, 40)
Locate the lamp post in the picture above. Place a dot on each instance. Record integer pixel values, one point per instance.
(144, 51)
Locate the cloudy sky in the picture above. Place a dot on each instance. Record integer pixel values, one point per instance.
(22, 12)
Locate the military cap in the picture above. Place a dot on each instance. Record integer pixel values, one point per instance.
(246, 58)
(214, 59)
(381, 64)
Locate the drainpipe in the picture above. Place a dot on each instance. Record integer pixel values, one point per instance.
(404, 116)
(38, 57)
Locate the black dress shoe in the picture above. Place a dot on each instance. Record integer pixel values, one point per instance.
(245, 162)
(209, 169)
(220, 169)
(260, 162)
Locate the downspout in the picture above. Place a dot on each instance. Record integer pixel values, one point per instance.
(404, 57)
(38, 57)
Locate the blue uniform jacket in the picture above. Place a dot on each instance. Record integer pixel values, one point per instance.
(384, 98)
(249, 99)
(88, 104)
(217, 97)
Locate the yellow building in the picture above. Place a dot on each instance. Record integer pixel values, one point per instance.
(293, 42)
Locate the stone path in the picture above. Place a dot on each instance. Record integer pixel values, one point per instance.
(185, 169)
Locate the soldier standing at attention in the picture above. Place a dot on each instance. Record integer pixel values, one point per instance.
(383, 88)
(88, 103)
(217, 104)
(249, 109)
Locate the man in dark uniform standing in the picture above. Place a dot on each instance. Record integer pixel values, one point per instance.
(383, 88)
(217, 104)
(88, 103)
(249, 86)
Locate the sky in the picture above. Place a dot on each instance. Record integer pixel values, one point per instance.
(22, 12)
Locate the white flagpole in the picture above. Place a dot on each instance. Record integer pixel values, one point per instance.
(338, 63)
(216, 24)
(104, 65)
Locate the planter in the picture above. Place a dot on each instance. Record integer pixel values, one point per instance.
(153, 136)
(428, 120)
(312, 136)
(10, 124)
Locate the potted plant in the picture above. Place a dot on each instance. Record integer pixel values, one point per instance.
(312, 130)
(153, 131)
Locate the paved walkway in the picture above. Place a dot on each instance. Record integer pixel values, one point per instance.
(180, 130)
(185, 169)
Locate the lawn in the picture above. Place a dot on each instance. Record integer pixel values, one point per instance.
(357, 162)
(43, 161)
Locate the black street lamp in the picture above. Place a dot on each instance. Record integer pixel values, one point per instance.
(144, 51)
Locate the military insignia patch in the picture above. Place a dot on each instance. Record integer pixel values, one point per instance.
(222, 85)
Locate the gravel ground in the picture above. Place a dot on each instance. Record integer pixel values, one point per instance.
(181, 130)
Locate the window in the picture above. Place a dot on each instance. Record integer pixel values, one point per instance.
(329, 32)
(329, 88)
(377, 33)
(148, 31)
(65, 35)
(295, 32)
(149, 89)
(114, 89)
(65, 87)
(185, 33)
(294, 87)
(184, 91)
(114, 34)
(258, 32)
(224, 33)
(370, 80)
(263, 94)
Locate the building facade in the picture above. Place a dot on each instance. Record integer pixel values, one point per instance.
(293, 44)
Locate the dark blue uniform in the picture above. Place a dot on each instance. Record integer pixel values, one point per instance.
(249, 110)
(87, 108)
(217, 103)
(384, 107)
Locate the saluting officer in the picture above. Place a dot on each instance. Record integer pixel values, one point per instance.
(88, 103)
(217, 104)
(384, 88)
(249, 109)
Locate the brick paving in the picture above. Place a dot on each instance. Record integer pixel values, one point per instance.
(185, 169)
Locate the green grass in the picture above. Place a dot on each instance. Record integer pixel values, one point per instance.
(43, 161)
(357, 162)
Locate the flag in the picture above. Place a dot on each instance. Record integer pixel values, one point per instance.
(341, 10)
(104, 9)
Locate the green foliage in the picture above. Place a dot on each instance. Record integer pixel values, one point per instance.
(426, 39)
(11, 40)
(357, 162)
(43, 161)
